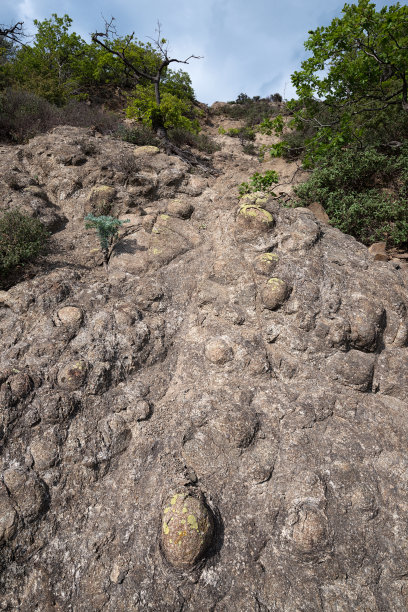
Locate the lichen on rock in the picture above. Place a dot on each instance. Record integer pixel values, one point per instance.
(187, 529)
(266, 263)
(274, 293)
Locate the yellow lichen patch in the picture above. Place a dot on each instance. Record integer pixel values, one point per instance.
(253, 210)
(276, 281)
(269, 257)
(190, 529)
(156, 251)
(166, 529)
(192, 521)
(165, 217)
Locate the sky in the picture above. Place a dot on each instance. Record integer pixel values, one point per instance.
(250, 46)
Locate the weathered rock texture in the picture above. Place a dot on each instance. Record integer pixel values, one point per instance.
(287, 426)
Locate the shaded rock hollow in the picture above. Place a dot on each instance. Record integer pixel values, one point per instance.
(170, 373)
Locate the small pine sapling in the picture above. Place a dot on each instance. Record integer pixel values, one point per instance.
(108, 231)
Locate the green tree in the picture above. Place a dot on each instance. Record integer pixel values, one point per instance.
(356, 77)
(56, 64)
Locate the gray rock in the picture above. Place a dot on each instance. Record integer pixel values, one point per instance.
(277, 413)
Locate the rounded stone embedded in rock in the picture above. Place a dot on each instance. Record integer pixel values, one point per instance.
(180, 208)
(218, 351)
(266, 263)
(70, 315)
(187, 529)
(102, 194)
(20, 385)
(72, 375)
(274, 293)
(310, 530)
(100, 199)
(44, 451)
(254, 216)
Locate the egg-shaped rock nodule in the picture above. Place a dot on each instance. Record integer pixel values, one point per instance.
(70, 315)
(251, 215)
(274, 293)
(187, 529)
(218, 351)
(266, 263)
(180, 208)
(72, 375)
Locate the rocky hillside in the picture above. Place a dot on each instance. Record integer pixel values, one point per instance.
(218, 420)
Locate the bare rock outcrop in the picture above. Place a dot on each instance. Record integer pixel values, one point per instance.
(241, 370)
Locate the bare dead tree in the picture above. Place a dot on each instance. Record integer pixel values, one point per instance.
(153, 75)
(14, 33)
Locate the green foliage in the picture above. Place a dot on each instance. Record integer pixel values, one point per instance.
(107, 228)
(364, 193)
(110, 69)
(178, 84)
(7, 51)
(173, 112)
(271, 126)
(259, 182)
(55, 64)
(357, 77)
(275, 150)
(242, 98)
(22, 238)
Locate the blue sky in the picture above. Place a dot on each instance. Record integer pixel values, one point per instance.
(250, 46)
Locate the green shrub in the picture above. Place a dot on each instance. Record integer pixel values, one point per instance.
(22, 238)
(249, 148)
(243, 133)
(138, 134)
(363, 192)
(252, 111)
(24, 114)
(202, 142)
(271, 126)
(259, 182)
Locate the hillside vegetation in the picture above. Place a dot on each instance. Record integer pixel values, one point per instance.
(348, 126)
